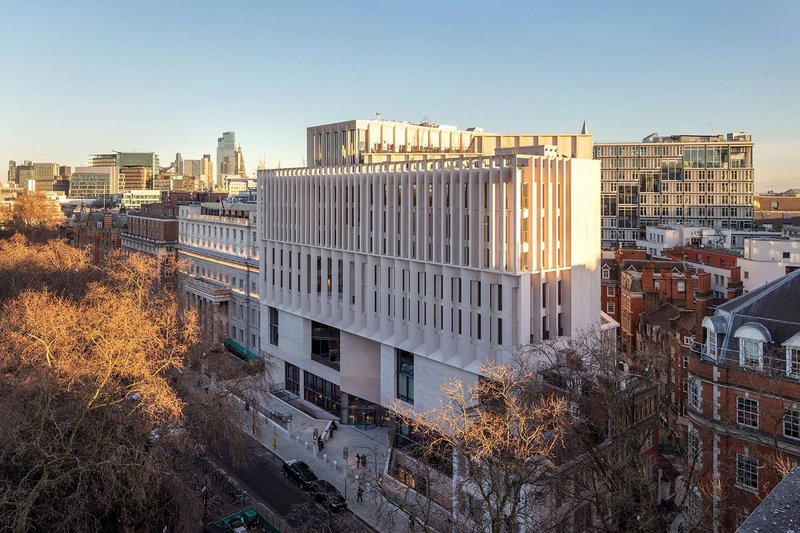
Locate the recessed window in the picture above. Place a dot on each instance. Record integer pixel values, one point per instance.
(606, 273)
(325, 345)
(747, 471)
(681, 286)
(405, 376)
(747, 412)
(611, 308)
(273, 326)
(609, 290)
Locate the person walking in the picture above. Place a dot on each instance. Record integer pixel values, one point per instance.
(364, 460)
(360, 495)
(358, 459)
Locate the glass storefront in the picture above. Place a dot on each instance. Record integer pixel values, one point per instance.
(362, 413)
(322, 393)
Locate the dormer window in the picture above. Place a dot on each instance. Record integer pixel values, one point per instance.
(793, 361)
(792, 346)
(606, 273)
(752, 337)
(711, 344)
(751, 353)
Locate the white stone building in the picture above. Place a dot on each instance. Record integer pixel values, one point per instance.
(383, 279)
(218, 241)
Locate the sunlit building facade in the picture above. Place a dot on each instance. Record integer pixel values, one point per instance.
(696, 180)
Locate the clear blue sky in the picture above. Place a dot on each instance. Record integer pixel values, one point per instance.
(83, 77)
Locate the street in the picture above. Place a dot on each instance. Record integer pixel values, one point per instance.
(260, 475)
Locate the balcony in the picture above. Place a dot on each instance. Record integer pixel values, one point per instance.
(212, 291)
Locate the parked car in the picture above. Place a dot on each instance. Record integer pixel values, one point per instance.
(300, 473)
(326, 494)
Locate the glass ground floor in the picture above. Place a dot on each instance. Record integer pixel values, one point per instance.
(351, 409)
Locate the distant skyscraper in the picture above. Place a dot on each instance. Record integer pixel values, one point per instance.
(12, 171)
(226, 154)
(178, 163)
(207, 171)
(192, 167)
(64, 171)
(240, 162)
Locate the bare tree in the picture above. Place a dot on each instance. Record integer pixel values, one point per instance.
(33, 215)
(93, 424)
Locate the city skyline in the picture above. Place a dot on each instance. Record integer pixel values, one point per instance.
(703, 69)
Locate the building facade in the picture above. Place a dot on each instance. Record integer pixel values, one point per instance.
(743, 400)
(135, 199)
(381, 280)
(218, 242)
(153, 231)
(93, 182)
(695, 180)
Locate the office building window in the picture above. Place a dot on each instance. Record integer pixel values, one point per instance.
(405, 375)
(325, 345)
(273, 326)
(292, 376)
(322, 393)
(747, 412)
(746, 471)
(791, 424)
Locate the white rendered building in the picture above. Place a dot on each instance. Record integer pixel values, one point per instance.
(218, 241)
(381, 280)
(136, 198)
(767, 259)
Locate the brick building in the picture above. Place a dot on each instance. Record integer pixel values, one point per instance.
(101, 230)
(610, 266)
(743, 403)
(153, 231)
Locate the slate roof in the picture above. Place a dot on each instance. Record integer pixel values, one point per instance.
(779, 511)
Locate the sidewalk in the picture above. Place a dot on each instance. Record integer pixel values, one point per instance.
(329, 464)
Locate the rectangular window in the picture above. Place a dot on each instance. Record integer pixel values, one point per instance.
(747, 412)
(611, 308)
(609, 290)
(793, 362)
(405, 375)
(695, 393)
(325, 345)
(292, 378)
(558, 293)
(693, 446)
(791, 424)
(711, 345)
(681, 286)
(273, 326)
(322, 393)
(544, 294)
(746, 471)
(750, 353)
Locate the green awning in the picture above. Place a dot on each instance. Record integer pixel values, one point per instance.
(239, 350)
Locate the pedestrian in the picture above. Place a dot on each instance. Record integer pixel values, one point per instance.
(410, 522)
(358, 459)
(360, 495)
(320, 443)
(364, 460)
